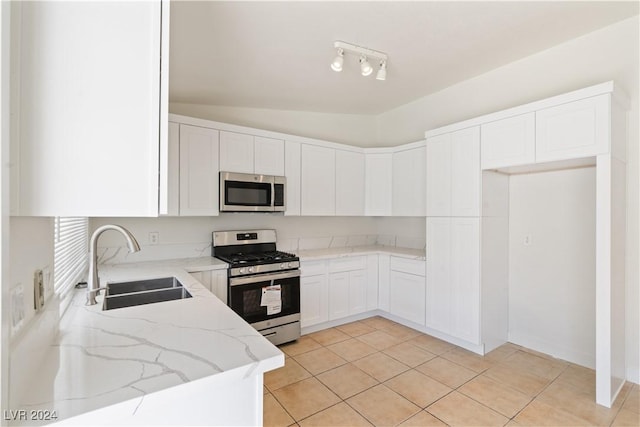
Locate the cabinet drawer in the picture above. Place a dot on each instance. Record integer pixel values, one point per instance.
(405, 265)
(347, 264)
(313, 268)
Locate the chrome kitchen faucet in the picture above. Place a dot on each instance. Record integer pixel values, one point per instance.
(93, 284)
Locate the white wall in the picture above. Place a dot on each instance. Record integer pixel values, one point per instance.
(31, 248)
(611, 53)
(353, 129)
(552, 280)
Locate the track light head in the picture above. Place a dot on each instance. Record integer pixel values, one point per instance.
(365, 68)
(382, 72)
(336, 65)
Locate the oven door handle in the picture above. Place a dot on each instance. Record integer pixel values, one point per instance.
(263, 277)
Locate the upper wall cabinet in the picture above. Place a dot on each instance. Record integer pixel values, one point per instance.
(573, 130)
(245, 153)
(89, 127)
(292, 173)
(199, 178)
(408, 190)
(453, 174)
(350, 183)
(379, 176)
(508, 142)
(318, 180)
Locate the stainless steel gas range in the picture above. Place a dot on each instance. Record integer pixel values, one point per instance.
(263, 283)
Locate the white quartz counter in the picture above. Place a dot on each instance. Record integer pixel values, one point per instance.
(309, 255)
(125, 356)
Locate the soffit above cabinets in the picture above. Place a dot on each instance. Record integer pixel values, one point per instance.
(277, 55)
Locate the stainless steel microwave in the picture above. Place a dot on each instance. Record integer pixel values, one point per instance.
(242, 192)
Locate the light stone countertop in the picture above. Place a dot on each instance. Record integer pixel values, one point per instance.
(102, 358)
(317, 254)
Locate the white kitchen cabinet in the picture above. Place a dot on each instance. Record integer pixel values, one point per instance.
(573, 130)
(465, 172)
(453, 174)
(318, 183)
(292, 173)
(383, 282)
(268, 156)
(236, 152)
(244, 153)
(407, 296)
(438, 176)
(408, 182)
(338, 295)
(453, 277)
(199, 174)
(350, 183)
(378, 186)
(438, 290)
(465, 279)
(372, 282)
(314, 304)
(407, 289)
(508, 142)
(89, 127)
(357, 291)
(214, 280)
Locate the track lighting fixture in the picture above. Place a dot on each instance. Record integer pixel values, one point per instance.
(382, 72)
(365, 68)
(336, 65)
(364, 55)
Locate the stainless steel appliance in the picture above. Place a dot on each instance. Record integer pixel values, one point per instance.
(263, 283)
(241, 192)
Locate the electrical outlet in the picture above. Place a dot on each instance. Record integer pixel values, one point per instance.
(154, 237)
(527, 240)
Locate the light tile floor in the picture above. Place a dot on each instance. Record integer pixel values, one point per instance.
(377, 372)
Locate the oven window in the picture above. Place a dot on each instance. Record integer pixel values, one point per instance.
(246, 299)
(239, 193)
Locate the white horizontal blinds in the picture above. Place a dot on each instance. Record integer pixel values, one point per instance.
(70, 257)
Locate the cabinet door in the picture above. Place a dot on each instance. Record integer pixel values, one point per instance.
(573, 130)
(199, 175)
(219, 284)
(313, 300)
(318, 184)
(407, 296)
(338, 295)
(90, 127)
(465, 172)
(438, 294)
(508, 142)
(349, 183)
(292, 172)
(357, 291)
(170, 173)
(438, 153)
(408, 182)
(236, 152)
(378, 170)
(268, 156)
(372, 282)
(465, 279)
(383, 282)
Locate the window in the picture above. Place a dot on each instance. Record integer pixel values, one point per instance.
(70, 253)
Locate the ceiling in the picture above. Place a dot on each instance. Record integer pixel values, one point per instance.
(276, 55)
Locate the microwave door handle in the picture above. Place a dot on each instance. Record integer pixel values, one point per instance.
(273, 194)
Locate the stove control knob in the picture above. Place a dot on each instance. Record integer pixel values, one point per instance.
(290, 264)
(243, 270)
(251, 269)
(283, 265)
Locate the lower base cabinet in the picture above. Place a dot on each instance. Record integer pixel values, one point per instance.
(215, 281)
(407, 296)
(314, 304)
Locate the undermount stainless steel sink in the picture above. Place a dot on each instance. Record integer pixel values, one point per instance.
(139, 292)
